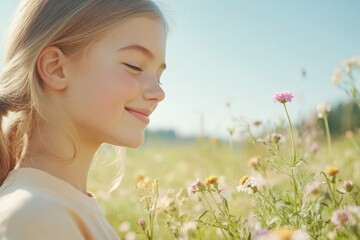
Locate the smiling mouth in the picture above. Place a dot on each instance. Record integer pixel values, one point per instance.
(142, 115)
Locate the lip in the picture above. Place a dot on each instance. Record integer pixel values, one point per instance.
(141, 114)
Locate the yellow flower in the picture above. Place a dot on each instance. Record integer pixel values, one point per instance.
(243, 179)
(139, 177)
(211, 180)
(332, 171)
(284, 233)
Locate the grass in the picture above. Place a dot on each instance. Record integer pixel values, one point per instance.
(177, 164)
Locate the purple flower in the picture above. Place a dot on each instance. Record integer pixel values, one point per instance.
(283, 97)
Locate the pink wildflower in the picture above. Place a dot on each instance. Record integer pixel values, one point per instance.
(283, 97)
(345, 218)
(314, 147)
(276, 138)
(221, 187)
(313, 188)
(194, 187)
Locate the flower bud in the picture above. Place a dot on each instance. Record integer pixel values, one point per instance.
(253, 162)
(348, 185)
(142, 223)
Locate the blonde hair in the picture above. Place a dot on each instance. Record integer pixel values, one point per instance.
(71, 25)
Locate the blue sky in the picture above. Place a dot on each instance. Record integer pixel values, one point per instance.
(244, 51)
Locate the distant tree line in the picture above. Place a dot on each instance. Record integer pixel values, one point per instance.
(164, 134)
(343, 117)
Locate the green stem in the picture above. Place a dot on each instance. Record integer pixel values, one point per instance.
(262, 167)
(207, 201)
(292, 136)
(293, 162)
(152, 210)
(225, 212)
(354, 197)
(262, 163)
(209, 205)
(332, 192)
(273, 207)
(151, 226)
(216, 203)
(328, 136)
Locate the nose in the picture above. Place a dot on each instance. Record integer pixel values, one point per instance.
(154, 92)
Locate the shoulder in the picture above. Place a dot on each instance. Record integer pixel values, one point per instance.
(25, 213)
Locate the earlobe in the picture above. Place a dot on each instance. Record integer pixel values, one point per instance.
(50, 66)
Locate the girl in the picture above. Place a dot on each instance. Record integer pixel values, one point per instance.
(78, 73)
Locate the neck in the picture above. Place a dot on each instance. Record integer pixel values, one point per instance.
(55, 155)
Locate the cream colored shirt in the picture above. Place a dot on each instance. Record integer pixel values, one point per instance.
(36, 205)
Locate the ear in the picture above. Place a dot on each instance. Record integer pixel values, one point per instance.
(50, 65)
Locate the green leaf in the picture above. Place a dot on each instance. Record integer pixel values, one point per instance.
(203, 214)
(225, 201)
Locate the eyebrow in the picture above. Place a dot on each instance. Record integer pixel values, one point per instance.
(144, 51)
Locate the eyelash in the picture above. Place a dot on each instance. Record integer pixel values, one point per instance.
(133, 67)
(138, 70)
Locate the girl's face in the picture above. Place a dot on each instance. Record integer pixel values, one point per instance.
(114, 87)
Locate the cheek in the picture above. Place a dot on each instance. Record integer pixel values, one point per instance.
(123, 86)
(102, 94)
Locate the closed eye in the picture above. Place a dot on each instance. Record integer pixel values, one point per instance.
(133, 67)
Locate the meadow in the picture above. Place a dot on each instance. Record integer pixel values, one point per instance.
(278, 182)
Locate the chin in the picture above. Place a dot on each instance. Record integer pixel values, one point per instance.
(130, 142)
(127, 139)
(134, 144)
